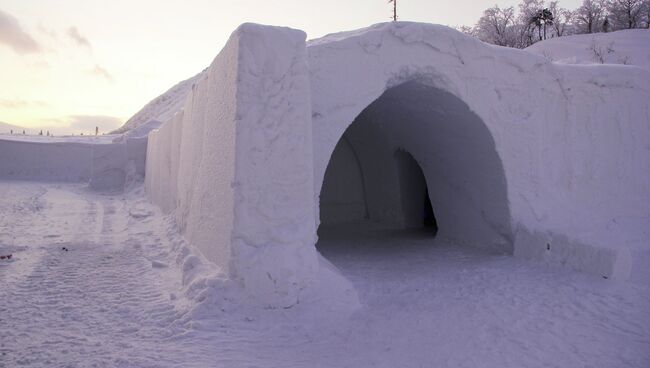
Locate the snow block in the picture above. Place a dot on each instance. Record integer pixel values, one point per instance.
(558, 249)
(273, 228)
(108, 171)
(136, 151)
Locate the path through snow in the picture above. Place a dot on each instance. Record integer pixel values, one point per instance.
(114, 299)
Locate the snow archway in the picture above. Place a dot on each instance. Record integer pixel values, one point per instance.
(370, 175)
(241, 168)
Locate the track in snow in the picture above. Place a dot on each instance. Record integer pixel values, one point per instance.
(99, 303)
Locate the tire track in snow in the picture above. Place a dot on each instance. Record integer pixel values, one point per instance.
(97, 304)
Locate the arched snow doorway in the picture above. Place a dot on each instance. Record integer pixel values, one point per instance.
(418, 156)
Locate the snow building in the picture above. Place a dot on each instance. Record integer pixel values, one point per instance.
(403, 125)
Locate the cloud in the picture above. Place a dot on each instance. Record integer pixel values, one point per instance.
(18, 104)
(77, 37)
(98, 71)
(46, 31)
(12, 35)
(87, 123)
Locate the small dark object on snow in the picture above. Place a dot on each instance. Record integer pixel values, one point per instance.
(6, 257)
(64, 248)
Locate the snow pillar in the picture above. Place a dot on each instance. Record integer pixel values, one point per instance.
(241, 165)
(108, 171)
(274, 229)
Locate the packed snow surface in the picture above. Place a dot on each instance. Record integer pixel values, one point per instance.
(105, 281)
(627, 47)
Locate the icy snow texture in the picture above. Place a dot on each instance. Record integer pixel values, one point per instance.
(545, 160)
(630, 47)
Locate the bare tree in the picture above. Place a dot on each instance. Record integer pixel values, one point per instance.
(563, 19)
(394, 2)
(495, 26)
(626, 14)
(589, 16)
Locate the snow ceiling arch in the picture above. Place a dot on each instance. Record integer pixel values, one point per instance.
(240, 167)
(453, 147)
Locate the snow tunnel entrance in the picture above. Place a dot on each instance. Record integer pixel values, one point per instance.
(417, 158)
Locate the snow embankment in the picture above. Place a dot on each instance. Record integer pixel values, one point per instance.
(627, 47)
(163, 107)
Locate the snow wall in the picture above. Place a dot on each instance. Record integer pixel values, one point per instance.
(235, 167)
(105, 166)
(549, 162)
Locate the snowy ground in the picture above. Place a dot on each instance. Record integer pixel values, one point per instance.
(115, 299)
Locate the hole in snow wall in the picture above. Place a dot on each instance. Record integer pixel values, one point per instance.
(374, 169)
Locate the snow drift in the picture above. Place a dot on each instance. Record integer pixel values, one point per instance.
(625, 47)
(519, 154)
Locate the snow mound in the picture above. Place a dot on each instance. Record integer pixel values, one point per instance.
(163, 107)
(628, 47)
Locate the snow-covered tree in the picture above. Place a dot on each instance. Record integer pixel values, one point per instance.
(626, 14)
(535, 20)
(495, 26)
(590, 15)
